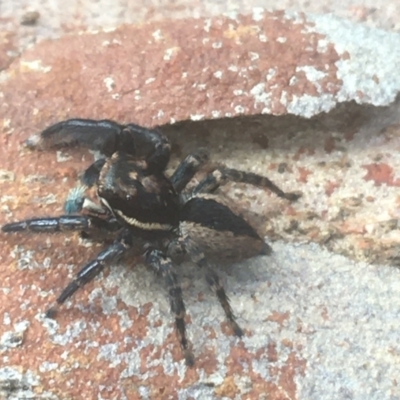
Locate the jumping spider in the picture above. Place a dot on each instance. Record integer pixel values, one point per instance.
(141, 206)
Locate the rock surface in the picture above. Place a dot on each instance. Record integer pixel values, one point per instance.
(318, 326)
(264, 63)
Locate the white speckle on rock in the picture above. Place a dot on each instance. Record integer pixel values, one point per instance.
(307, 105)
(293, 80)
(6, 123)
(71, 333)
(258, 14)
(35, 65)
(254, 56)
(284, 99)
(313, 75)
(218, 74)
(281, 39)
(110, 83)
(47, 366)
(200, 86)
(240, 109)
(260, 95)
(196, 117)
(62, 156)
(270, 74)
(157, 35)
(6, 176)
(149, 80)
(217, 45)
(207, 25)
(169, 53)
(6, 319)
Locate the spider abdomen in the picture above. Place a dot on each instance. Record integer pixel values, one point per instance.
(219, 231)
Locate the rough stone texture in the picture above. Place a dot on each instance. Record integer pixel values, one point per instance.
(318, 326)
(59, 18)
(263, 63)
(8, 49)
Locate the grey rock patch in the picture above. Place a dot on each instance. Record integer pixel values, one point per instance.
(15, 385)
(368, 68)
(369, 73)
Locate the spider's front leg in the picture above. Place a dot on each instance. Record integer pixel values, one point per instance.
(62, 224)
(107, 137)
(221, 175)
(163, 265)
(188, 168)
(93, 268)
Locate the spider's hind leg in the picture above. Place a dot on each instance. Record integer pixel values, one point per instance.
(163, 265)
(221, 175)
(213, 280)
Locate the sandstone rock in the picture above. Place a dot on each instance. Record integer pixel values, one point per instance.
(311, 317)
(157, 73)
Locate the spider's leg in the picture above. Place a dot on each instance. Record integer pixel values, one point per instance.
(146, 144)
(214, 282)
(107, 137)
(188, 168)
(222, 175)
(163, 265)
(63, 223)
(95, 135)
(93, 268)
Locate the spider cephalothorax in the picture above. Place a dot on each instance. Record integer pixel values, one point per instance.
(140, 206)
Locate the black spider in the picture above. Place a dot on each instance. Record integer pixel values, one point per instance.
(139, 205)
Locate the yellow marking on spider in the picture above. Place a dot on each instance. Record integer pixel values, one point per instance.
(149, 226)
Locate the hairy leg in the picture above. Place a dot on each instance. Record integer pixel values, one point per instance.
(222, 175)
(188, 168)
(62, 224)
(93, 268)
(213, 280)
(163, 265)
(107, 137)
